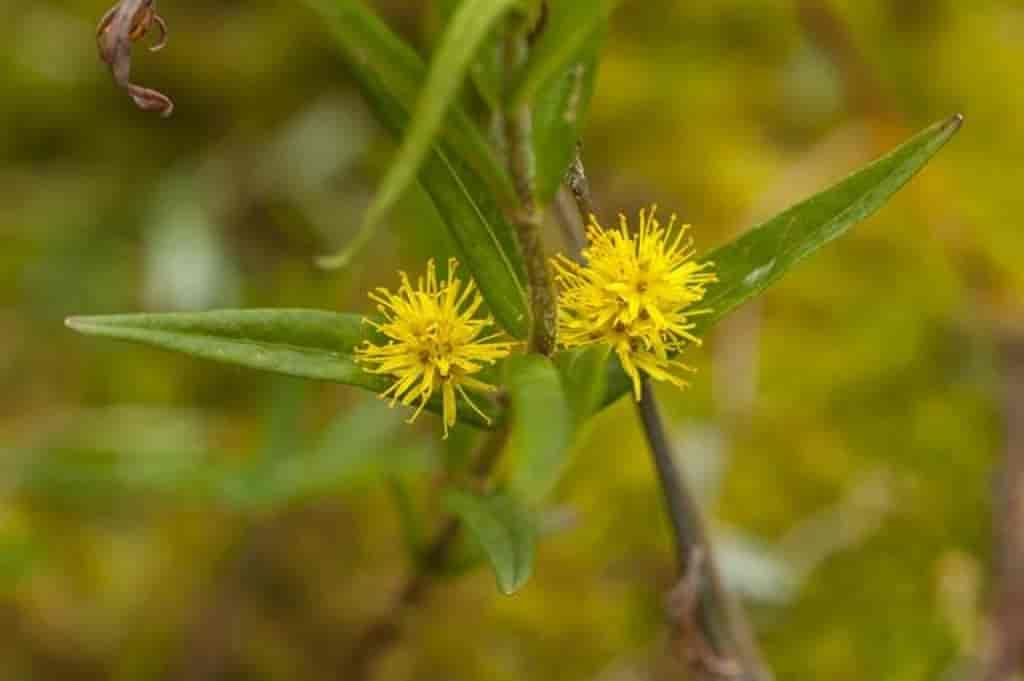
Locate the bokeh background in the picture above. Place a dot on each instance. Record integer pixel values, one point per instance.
(844, 432)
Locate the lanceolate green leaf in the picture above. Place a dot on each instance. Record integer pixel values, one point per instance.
(361, 446)
(465, 32)
(505, 531)
(560, 113)
(306, 343)
(485, 240)
(485, 72)
(572, 25)
(371, 49)
(584, 375)
(542, 425)
(762, 256)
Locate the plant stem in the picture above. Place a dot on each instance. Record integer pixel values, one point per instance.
(576, 180)
(718, 617)
(381, 636)
(717, 620)
(527, 217)
(569, 220)
(1005, 651)
(212, 635)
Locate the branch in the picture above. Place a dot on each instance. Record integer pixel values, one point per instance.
(382, 636)
(709, 620)
(212, 635)
(832, 34)
(527, 217)
(386, 632)
(1003, 658)
(710, 624)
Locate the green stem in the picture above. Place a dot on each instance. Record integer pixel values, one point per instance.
(527, 217)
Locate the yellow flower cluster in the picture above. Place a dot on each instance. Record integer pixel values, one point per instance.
(635, 292)
(433, 342)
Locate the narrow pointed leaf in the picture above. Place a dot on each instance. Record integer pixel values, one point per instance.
(390, 74)
(560, 115)
(485, 72)
(373, 51)
(410, 519)
(485, 241)
(305, 343)
(584, 373)
(541, 425)
(762, 256)
(505, 530)
(361, 446)
(572, 24)
(283, 436)
(562, 102)
(468, 28)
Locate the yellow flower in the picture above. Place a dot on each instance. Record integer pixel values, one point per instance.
(634, 292)
(433, 343)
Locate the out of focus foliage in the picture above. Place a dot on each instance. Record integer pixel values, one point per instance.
(161, 517)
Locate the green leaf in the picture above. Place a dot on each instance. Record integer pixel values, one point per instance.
(374, 53)
(486, 71)
(86, 478)
(762, 256)
(572, 25)
(305, 343)
(584, 374)
(463, 36)
(560, 112)
(283, 435)
(505, 530)
(484, 239)
(388, 71)
(361, 446)
(18, 557)
(409, 517)
(541, 425)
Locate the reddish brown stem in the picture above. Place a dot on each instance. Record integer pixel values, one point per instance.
(381, 636)
(1003, 658)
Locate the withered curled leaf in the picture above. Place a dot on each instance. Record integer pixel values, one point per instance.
(125, 23)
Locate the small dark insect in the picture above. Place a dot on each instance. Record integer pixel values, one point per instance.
(125, 23)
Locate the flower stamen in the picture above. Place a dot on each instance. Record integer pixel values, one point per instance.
(434, 341)
(635, 293)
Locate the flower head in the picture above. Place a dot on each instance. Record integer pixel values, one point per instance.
(635, 292)
(434, 342)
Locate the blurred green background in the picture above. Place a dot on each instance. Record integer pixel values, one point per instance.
(167, 518)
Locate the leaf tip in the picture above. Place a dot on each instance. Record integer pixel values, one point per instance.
(85, 324)
(76, 323)
(508, 589)
(332, 262)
